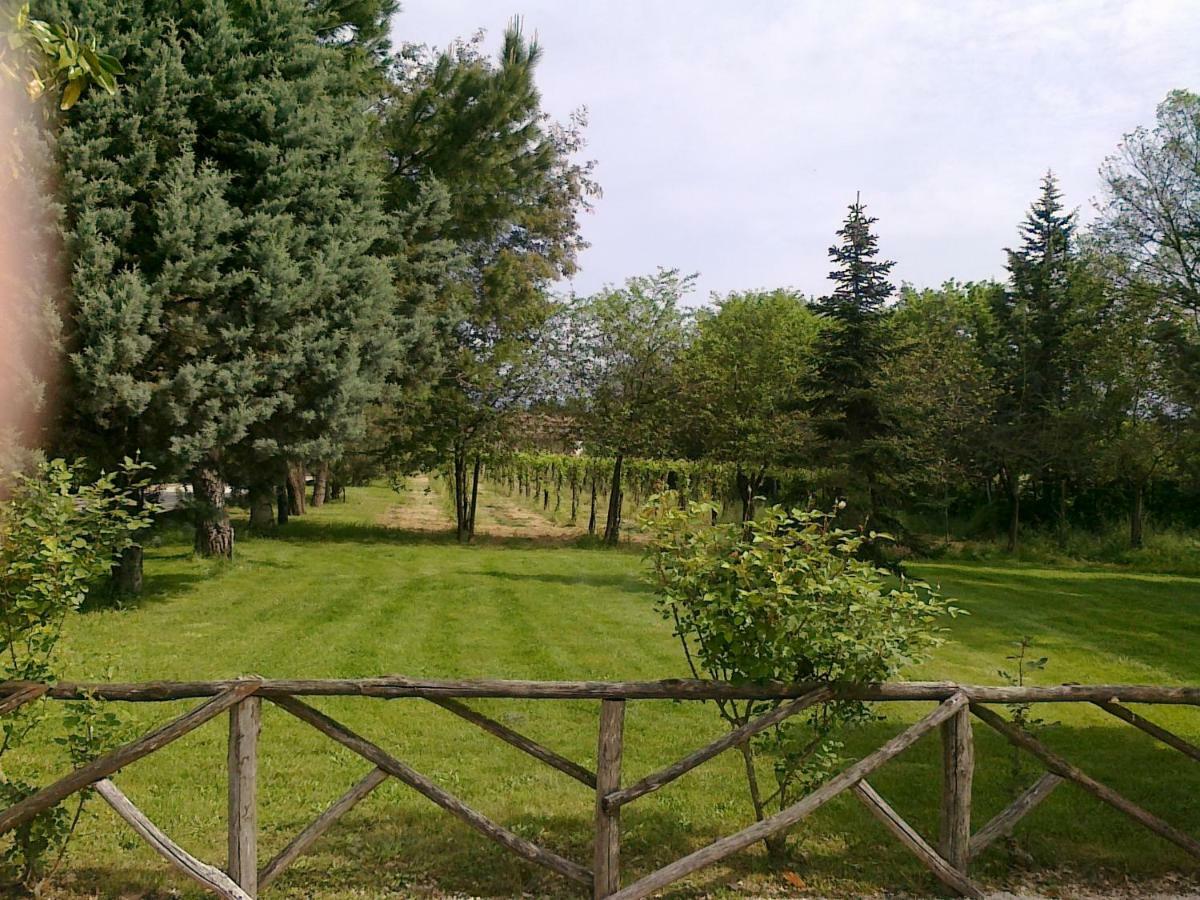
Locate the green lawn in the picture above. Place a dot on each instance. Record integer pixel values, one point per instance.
(341, 595)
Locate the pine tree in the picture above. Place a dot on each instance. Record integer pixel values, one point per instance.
(848, 375)
(474, 129)
(1030, 357)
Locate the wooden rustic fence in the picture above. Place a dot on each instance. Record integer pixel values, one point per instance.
(949, 859)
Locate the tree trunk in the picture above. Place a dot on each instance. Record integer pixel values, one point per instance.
(262, 508)
(574, 499)
(461, 508)
(214, 531)
(127, 573)
(296, 488)
(1136, 515)
(592, 513)
(282, 503)
(320, 484)
(612, 526)
(1013, 488)
(474, 498)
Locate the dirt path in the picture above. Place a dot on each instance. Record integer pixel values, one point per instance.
(424, 509)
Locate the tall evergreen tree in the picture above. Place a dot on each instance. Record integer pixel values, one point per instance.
(150, 234)
(1032, 353)
(233, 296)
(286, 117)
(848, 374)
(473, 129)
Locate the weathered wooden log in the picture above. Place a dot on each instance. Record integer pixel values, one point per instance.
(656, 780)
(110, 762)
(425, 787)
(397, 686)
(245, 720)
(958, 767)
(606, 865)
(1059, 766)
(518, 740)
(19, 698)
(786, 818)
(1005, 821)
(1155, 731)
(209, 877)
(942, 869)
(319, 826)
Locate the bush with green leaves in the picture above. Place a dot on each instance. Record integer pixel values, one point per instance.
(786, 597)
(59, 535)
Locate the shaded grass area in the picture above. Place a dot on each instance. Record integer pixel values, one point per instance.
(338, 594)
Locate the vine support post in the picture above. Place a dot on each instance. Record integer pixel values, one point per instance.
(958, 767)
(607, 860)
(245, 720)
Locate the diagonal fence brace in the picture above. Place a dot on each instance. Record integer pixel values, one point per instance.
(103, 766)
(422, 785)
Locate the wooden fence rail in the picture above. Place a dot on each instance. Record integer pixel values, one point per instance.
(948, 858)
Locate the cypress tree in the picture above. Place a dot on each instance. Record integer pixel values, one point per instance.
(286, 116)
(233, 291)
(847, 405)
(149, 234)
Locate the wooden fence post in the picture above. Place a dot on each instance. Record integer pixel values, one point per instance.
(244, 722)
(958, 766)
(607, 863)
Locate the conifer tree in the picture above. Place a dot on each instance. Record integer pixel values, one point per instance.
(286, 116)
(149, 233)
(1032, 355)
(234, 305)
(847, 406)
(473, 129)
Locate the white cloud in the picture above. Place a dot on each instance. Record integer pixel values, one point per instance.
(731, 137)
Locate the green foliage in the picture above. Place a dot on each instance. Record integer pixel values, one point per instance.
(234, 298)
(847, 402)
(1019, 667)
(500, 191)
(627, 340)
(786, 597)
(741, 383)
(53, 57)
(58, 535)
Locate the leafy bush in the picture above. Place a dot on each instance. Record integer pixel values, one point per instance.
(785, 597)
(58, 536)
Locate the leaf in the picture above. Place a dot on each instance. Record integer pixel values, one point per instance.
(72, 93)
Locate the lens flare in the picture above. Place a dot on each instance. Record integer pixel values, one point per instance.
(30, 289)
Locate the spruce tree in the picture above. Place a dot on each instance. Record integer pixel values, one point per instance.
(1031, 355)
(848, 373)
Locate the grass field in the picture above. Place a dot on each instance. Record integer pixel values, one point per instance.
(341, 593)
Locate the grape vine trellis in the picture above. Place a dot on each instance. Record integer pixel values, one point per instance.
(552, 479)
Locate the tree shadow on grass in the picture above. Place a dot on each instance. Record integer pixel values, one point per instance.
(315, 530)
(631, 582)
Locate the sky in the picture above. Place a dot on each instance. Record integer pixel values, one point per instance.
(730, 137)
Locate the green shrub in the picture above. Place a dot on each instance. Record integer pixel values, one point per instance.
(58, 536)
(786, 597)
